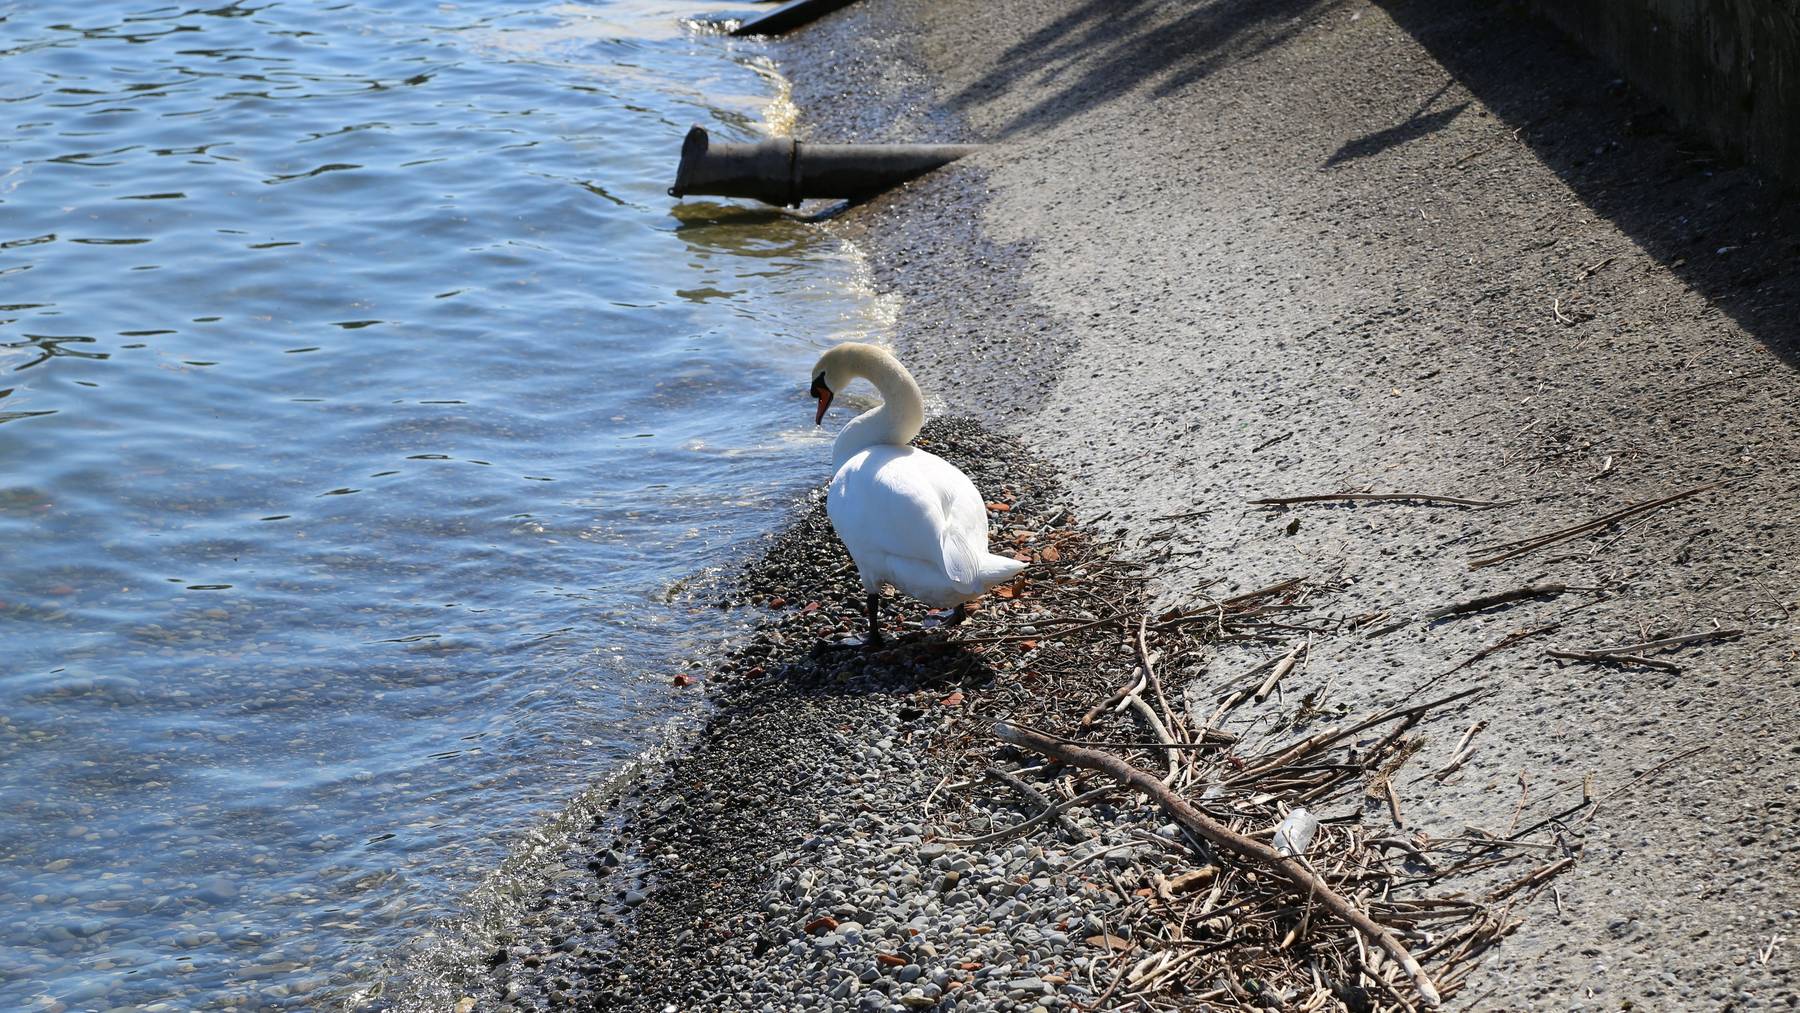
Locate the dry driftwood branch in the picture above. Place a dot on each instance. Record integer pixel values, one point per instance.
(1048, 634)
(1552, 818)
(1303, 881)
(1393, 801)
(1379, 497)
(1219, 609)
(1593, 268)
(1509, 640)
(1519, 547)
(1162, 734)
(1490, 600)
(1112, 698)
(1745, 375)
(1532, 878)
(1212, 738)
(1262, 592)
(1458, 756)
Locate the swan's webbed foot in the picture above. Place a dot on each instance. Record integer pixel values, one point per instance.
(944, 619)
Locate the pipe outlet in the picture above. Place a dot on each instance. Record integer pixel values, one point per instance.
(784, 171)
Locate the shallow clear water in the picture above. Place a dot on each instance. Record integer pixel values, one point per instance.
(362, 400)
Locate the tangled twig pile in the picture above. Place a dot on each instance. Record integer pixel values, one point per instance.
(1365, 916)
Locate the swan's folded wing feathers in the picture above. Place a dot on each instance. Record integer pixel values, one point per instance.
(879, 507)
(961, 560)
(912, 518)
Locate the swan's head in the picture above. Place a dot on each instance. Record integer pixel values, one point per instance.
(836, 368)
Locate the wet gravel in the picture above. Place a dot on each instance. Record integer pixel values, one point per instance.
(786, 859)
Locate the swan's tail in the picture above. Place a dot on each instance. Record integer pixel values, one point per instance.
(972, 570)
(997, 570)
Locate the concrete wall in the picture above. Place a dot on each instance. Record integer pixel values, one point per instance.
(1727, 69)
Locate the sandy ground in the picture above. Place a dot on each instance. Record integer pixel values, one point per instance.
(1225, 250)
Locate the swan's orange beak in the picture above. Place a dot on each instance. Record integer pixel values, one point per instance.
(823, 393)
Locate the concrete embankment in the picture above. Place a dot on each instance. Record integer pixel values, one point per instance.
(1729, 71)
(1229, 250)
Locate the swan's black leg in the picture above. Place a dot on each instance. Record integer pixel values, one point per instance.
(958, 614)
(874, 622)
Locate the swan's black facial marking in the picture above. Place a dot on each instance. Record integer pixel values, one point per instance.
(823, 392)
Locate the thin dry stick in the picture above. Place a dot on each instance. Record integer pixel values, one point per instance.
(1524, 796)
(1199, 823)
(1189, 515)
(1143, 655)
(1490, 600)
(1051, 635)
(1496, 647)
(1324, 739)
(1746, 374)
(1112, 698)
(1468, 736)
(1282, 667)
(1213, 739)
(1613, 658)
(1046, 806)
(1218, 609)
(1379, 497)
(1458, 756)
(1162, 733)
(1586, 271)
(1668, 642)
(1055, 811)
(1510, 640)
(1532, 878)
(1622, 789)
(1532, 543)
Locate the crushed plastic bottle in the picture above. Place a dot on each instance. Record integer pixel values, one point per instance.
(1294, 834)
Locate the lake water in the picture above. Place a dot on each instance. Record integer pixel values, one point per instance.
(365, 403)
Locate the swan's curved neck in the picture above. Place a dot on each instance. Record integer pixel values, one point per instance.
(896, 420)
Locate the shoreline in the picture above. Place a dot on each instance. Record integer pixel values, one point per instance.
(805, 751)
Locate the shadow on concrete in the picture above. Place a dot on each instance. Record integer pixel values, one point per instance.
(1112, 53)
(1411, 129)
(1727, 231)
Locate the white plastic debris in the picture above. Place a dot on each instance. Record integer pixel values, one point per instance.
(1294, 834)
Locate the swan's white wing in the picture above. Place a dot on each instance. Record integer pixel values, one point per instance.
(911, 519)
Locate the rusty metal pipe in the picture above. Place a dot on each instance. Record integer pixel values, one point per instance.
(784, 171)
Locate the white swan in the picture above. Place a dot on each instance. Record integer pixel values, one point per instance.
(909, 518)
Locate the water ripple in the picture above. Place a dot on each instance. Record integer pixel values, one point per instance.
(364, 396)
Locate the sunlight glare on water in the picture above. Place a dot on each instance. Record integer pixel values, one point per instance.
(362, 399)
